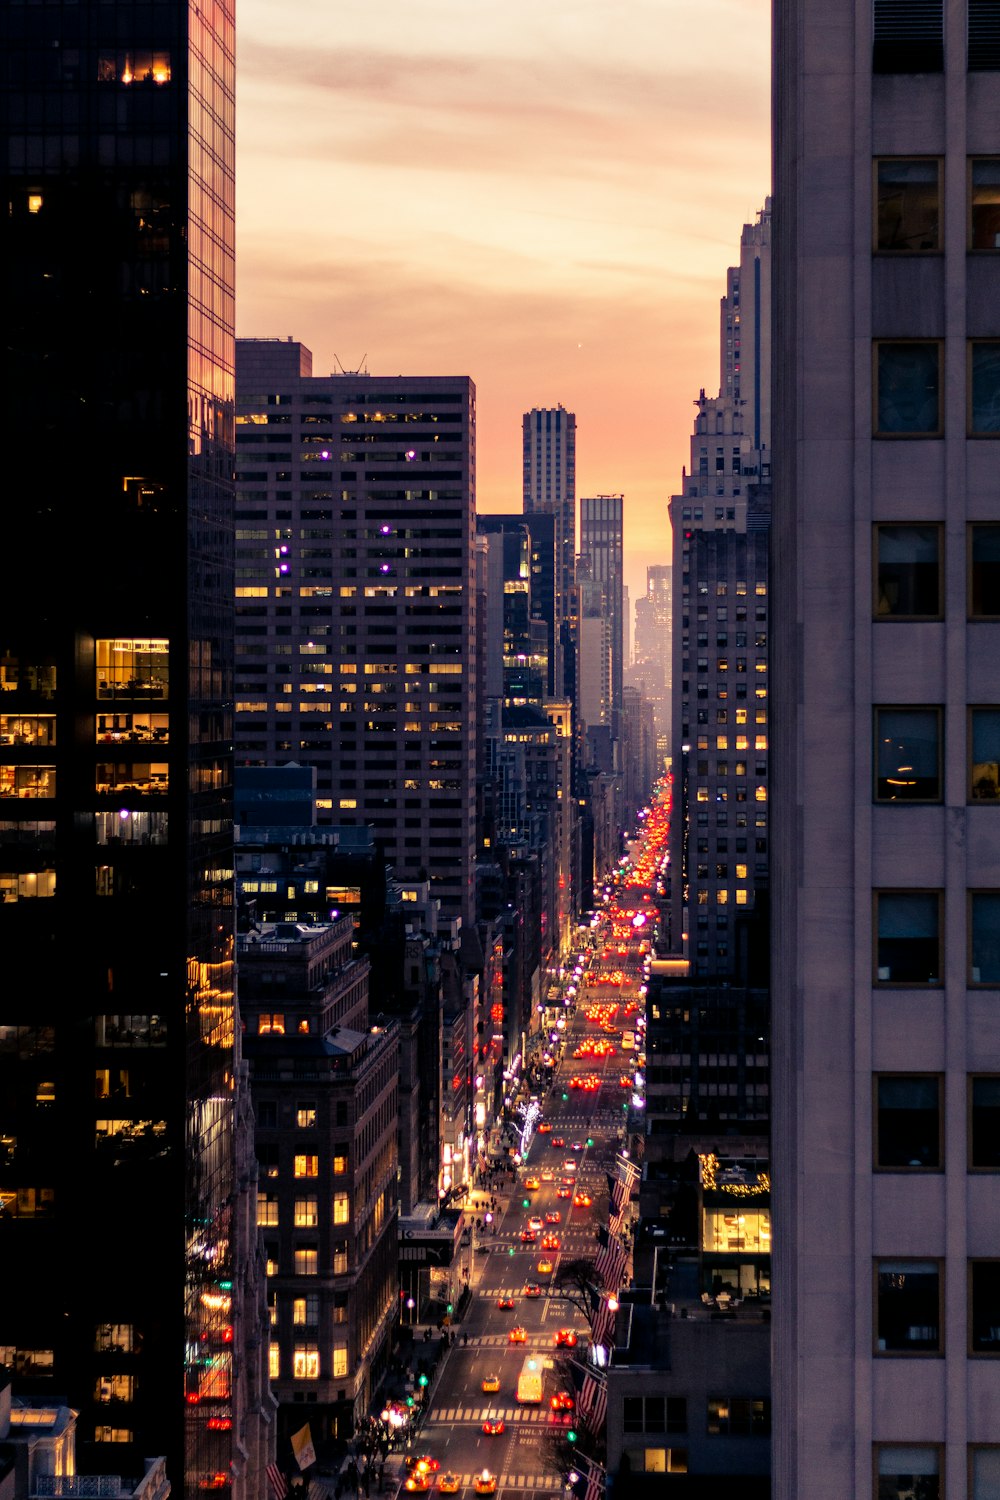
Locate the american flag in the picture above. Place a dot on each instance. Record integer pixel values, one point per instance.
(619, 1195)
(276, 1482)
(628, 1171)
(609, 1262)
(594, 1402)
(602, 1324)
(595, 1484)
(616, 1223)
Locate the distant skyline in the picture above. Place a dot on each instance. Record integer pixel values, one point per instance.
(545, 198)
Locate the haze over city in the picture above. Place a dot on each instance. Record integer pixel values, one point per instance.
(543, 198)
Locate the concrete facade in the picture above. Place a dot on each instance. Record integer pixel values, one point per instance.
(857, 1403)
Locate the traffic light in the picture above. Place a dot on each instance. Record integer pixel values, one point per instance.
(525, 1202)
(511, 1250)
(409, 1400)
(565, 1095)
(590, 1140)
(450, 1308)
(422, 1381)
(571, 1435)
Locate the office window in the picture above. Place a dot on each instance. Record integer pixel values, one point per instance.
(907, 203)
(305, 1116)
(984, 1473)
(984, 752)
(305, 1311)
(907, 755)
(907, 1121)
(339, 1359)
(907, 1307)
(984, 571)
(984, 1122)
(305, 1362)
(274, 1361)
(984, 36)
(984, 937)
(984, 203)
(306, 1260)
(908, 37)
(908, 945)
(738, 1416)
(908, 388)
(907, 1473)
(984, 387)
(907, 572)
(341, 1208)
(306, 1166)
(267, 1210)
(984, 1306)
(306, 1212)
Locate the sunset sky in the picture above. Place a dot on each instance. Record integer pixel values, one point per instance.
(544, 196)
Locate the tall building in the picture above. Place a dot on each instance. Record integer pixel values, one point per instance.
(653, 643)
(719, 836)
(601, 553)
(126, 1179)
(886, 746)
(549, 448)
(355, 601)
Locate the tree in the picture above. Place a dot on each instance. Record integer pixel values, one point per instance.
(578, 1283)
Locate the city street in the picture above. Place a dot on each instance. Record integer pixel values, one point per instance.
(568, 1158)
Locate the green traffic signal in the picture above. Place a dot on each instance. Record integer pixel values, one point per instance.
(409, 1400)
(565, 1096)
(525, 1202)
(449, 1308)
(571, 1435)
(590, 1140)
(422, 1380)
(511, 1250)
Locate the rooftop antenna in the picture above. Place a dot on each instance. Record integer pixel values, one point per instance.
(361, 370)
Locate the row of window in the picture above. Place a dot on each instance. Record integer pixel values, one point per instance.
(306, 1361)
(305, 1259)
(909, 1307)
(908, 759)
(305, 1211)
(913, 1472)
(908, 938)
(908, 37)
(734, 1416)
(908, 1131)
(909, 199)
(908, 379)
(908, 571)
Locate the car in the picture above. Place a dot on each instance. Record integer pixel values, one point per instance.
(505, 1304)
(528, 1236)
(553, 1216)
(569, 1165)
(494, 1426)
(423, 1464)
(578, 1146)
(625, 1081)
(491, 1383)
(583, 1200)
(532, 1289)
(418, 1484)
(562, 1401)
(517, 1336)
(535, 1222)
(544, 1128)
(566, 1338)
(550, 1242)
(564, 1192)
(486, 1483)
(531, 1184)
(548, 1176)
(545, 1268)
(558, 1142)
(449, 1484)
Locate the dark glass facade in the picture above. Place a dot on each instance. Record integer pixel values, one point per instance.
(117, 1036)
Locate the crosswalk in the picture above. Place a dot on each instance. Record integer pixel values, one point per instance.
(522, 1415)
(552, 1482)
(501, 1341)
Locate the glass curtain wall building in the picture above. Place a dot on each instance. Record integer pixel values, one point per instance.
(119, 1203)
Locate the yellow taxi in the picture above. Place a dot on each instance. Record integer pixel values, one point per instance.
(491, 1384)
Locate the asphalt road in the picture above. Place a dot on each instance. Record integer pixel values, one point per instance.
(521, 1457)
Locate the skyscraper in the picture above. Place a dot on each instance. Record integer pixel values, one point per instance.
(124, 1237)
(886, 744)
(601, 543)
(549, 443)
(355, 601)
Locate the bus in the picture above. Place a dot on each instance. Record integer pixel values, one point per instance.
(529, 1382)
